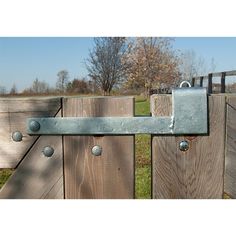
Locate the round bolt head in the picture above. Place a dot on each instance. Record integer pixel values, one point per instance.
(97, 150)
(183, 145)
(17, 136)
(34, 125)
(48, 151)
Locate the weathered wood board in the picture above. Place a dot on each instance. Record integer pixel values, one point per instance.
(194, 174)
(110, 175)
(38, 176)
(230, 157)
(13, 115)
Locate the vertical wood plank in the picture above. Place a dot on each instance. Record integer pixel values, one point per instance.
(38, 176)
(230, 157)
(110, 175)
(198, 172)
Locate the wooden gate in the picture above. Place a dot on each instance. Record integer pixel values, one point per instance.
(73, 172)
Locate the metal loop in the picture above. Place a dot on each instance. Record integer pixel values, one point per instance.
(185, 82)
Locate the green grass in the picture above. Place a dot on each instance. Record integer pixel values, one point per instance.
(143, 182)
(142, 106)
(4, 175)
(226, 196)
(142, 155)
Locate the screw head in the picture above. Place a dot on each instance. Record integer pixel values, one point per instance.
(183, 145)
(34, 125)
(97, 150)
(17, 136)
(48, 151)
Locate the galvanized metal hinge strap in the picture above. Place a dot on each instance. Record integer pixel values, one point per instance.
(189, 116)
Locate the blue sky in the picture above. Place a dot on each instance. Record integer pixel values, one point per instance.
(24, 59)
(222, 49)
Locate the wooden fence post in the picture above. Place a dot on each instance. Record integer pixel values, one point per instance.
(210, 83)
(201, 81)
(223, 82)
(198, 172)
(110, 175)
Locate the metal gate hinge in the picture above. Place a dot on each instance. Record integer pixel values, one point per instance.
(189, 116)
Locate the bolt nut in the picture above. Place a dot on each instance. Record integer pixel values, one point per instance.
(48, 151)
(97, 150)
(17, 136)
(183, 145)
(34, 125)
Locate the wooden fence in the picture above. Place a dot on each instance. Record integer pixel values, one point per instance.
(206, 170)
(222, 75)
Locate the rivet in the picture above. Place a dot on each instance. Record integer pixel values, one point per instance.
(34, 125)
(48, 151)
(17, 136)
(97, 150)
(183, 145)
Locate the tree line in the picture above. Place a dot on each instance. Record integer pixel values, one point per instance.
(126, 65)
(63, 86)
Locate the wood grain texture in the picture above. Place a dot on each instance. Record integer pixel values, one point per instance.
(13, 115)
(30, 104)
(110, 175)
(230, 157)
(194, 174)
(38, 176)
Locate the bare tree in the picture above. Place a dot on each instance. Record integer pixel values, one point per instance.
(37, 87)
(212, 65)
(13, 90)
(78, 86)
(62, 80)
(2, 90)
(105, 63)
(191, 65)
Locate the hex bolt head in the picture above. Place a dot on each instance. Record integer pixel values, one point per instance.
(17, 136)
(97, 150)
(48, 151)
(183, 145)
(34, 125)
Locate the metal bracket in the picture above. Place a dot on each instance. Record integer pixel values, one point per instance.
(189, 116)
